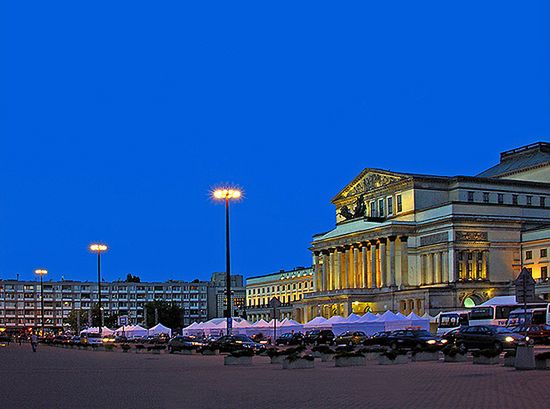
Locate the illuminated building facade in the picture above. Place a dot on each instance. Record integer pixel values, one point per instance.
(288, 286)
(410, 242)
(535, 249)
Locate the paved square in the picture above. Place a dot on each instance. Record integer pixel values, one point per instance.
(64, 378)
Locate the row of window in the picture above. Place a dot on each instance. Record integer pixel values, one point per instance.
(384, 207)
(513, 199)
(529, 254)
(105, 287)
(276, 289)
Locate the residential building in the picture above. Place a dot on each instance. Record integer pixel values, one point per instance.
(288, 287)
(217, 300)
(20, 305)
(410, 242)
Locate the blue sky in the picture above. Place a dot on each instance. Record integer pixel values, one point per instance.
(117, 118)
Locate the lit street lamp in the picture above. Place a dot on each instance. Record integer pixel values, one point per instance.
(41, 273)
(98, 248)
(227, 195)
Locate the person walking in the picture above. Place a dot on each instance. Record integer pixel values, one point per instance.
(34, 342)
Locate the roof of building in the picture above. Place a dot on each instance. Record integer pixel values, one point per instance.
(520, 159)
(296, 269)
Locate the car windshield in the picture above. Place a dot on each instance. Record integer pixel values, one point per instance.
(242, 338)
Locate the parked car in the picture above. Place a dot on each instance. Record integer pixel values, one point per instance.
(488, 336)
(450, 336)
(230, 343)
(538, 334)
(91, 338)
(62, 339)
(290, 338)
(317, 337)
(75, 340)
(157, 339)
(260, 338)
(378, 338)
(413, 338)
(351, 338)
(181, 342)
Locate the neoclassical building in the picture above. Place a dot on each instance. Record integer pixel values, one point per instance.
(423, 243)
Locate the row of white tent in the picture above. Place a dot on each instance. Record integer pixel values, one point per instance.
(368, 323)
(131, 331)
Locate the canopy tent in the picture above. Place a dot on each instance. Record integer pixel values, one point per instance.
(160, 329)
(416, 321)
(317, 323)
(353, 317)
(134, 331)
(95, 330)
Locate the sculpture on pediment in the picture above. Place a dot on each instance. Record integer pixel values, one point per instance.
(346, 213)
(370, 182)
(360, 208)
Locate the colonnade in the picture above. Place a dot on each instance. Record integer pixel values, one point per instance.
(366, 264)
(434, 268)
(473, 264)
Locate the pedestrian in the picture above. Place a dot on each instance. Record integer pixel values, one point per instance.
(34, 342)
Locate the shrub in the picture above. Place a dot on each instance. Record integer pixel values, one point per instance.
(323, 349)
(271, 352)
(296, 356)
(426, 348)
(349, 354)
(125, 347)
(487, 353)
(242, 353)
(139, 347)
(543, 356)
(451, 350)
(376, 350)
(394, 353)
(109, 347)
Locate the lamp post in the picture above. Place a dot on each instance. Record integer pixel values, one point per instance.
(41, 273)
(98, 248)
(227, 195)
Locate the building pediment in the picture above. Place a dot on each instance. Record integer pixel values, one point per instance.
(368, 180)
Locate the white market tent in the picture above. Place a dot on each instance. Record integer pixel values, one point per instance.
(134, 331)
(160, 329)
(416, 321)
(95, 330)
(317, 323)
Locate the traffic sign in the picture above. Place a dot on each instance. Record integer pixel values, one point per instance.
(274, 302)
(525, 287)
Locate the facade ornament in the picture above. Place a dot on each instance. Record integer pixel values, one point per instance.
(475, 236)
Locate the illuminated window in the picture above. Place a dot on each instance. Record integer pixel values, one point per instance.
(528, 255)
(543, 252)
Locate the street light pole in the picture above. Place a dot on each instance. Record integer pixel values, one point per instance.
(226, 195)
(99, 248)
(41, 273)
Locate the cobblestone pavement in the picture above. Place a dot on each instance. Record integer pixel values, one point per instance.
(65, 378)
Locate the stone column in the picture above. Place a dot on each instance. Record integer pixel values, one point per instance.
(404, 261)
(393, 281)
(364, 266)
(437, 267)
(373, 283)
(444, 267)
(383, 262)
(344, 267)
(350, 256)
(318, 272)
(357, 263)
(429, 269)
(485, 265)
(423, 269)
(337, 266)
(452, 263)
(474, 272)
(326, 269)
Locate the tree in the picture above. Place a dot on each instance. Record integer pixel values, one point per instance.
(132, 279)
(72, 319)
(167, 314)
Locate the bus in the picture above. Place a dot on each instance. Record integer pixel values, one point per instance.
(451, 320)
(534, 316)
(497, 310)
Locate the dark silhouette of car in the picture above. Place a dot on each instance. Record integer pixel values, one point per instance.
(450, 336)
(487, 337)
(378, 338)
(290, 338)
(413, 338)
(180, 343)
(538, 334)
(318, 337)
(351, 338)
(231, 343)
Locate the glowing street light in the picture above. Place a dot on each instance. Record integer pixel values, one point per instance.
(41, 272)
(98, 248)
(227, 194)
